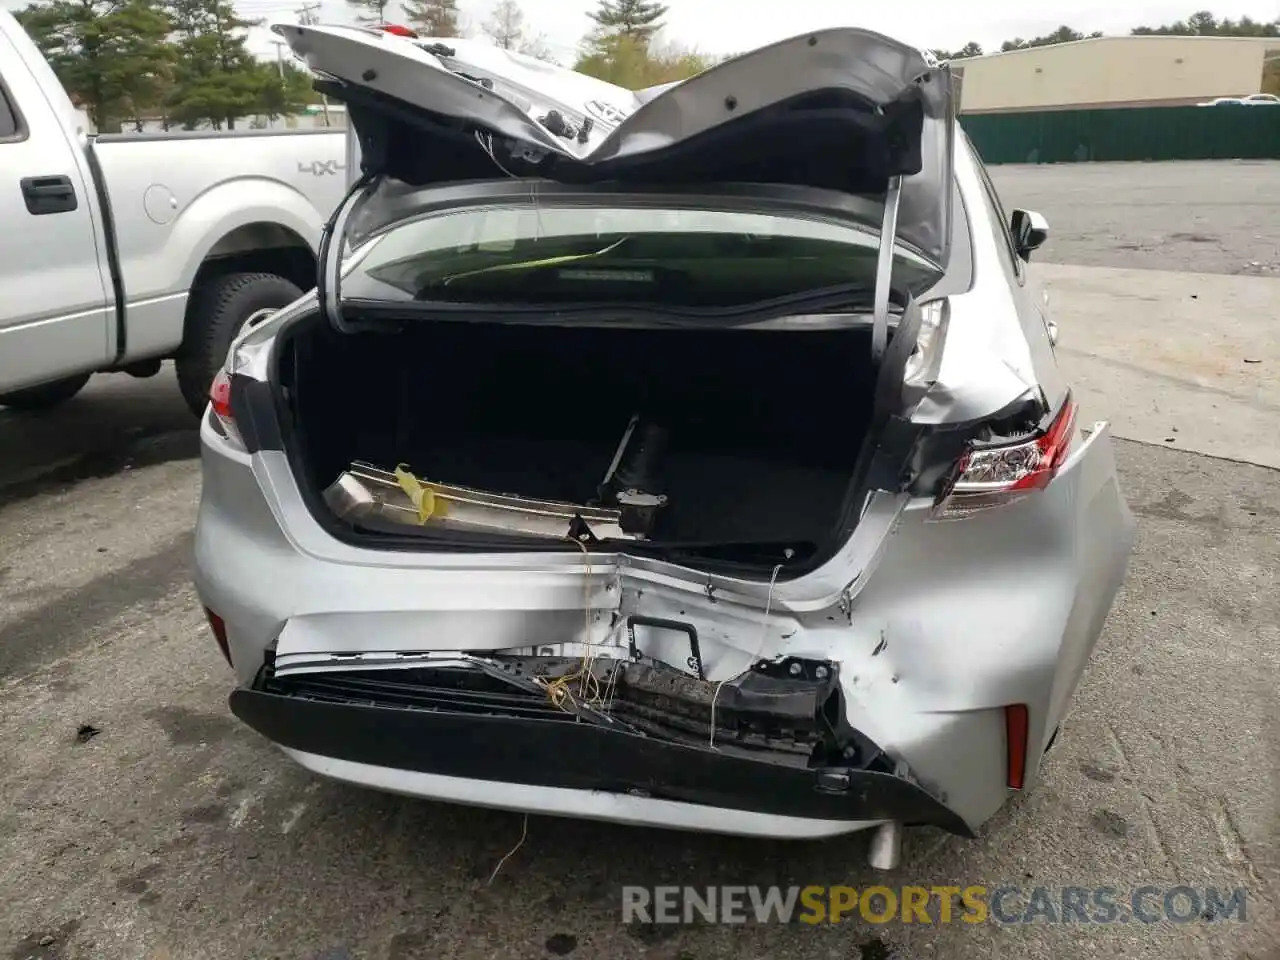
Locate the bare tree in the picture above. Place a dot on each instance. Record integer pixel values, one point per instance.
(505, 25)
(538, 48)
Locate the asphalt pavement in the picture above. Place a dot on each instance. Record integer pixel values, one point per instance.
(138, 819)
(1210, 216)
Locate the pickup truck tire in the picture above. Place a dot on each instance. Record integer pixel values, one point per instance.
(219, 308)
(45, 395)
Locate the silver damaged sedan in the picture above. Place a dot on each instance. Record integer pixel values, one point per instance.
(694, 457)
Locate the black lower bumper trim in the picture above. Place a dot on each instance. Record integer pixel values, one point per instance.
(582, 756)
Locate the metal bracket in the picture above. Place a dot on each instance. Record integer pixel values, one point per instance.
(884, 271)
(695, 651)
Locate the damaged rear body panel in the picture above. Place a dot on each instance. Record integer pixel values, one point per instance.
(650, 758)
(923, 674)
(689, 555)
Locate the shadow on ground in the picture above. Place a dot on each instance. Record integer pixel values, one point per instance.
(116, 423)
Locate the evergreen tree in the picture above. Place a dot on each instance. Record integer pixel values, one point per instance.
(217, 80)
(285, 90)
(1205, 24)
(112, 57)
(433, 18)
(970, 49)
(636, 20)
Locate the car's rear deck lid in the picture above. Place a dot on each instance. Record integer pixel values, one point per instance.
(842, 110)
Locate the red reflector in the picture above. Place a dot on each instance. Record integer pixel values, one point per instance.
(1015, 731)
(219, 628)
(220, 395)
(398, 30)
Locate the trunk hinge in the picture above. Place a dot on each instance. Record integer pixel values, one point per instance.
(332, 240)
(884, 271)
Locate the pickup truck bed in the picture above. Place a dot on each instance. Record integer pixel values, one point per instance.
(120, 251)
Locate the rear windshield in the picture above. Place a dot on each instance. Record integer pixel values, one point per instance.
(540, 254)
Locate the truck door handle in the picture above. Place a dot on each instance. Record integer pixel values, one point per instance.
(49, 195)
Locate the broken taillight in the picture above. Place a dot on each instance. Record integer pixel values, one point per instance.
(994, 474)
(220, 397)
(224, 420)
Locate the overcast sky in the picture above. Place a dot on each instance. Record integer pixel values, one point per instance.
(727, 26)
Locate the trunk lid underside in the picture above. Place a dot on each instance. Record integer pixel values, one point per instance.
(841, 110)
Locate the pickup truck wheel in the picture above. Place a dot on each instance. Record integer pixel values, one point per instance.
(45, 395)
(218, 310)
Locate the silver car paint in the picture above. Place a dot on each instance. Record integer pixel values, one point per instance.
(57, 314)
(175, 199)
(208, 187)
(1004, 352)
(937, 625)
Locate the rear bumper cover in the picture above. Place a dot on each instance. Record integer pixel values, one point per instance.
(365, 743)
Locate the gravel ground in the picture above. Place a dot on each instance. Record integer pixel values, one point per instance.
(1202, 217)
(139, 821)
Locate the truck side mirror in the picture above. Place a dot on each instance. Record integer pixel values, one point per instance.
(1030, 230)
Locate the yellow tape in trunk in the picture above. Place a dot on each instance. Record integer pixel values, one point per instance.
(420, 495)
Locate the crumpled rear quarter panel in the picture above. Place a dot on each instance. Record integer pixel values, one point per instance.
(975, 614)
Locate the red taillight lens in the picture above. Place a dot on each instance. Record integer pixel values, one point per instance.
(398, 30)
(219, 628)
(996, 474)
(220, 396)
(224, 420)
(1016, 723)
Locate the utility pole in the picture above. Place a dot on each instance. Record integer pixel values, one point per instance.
(309, 16)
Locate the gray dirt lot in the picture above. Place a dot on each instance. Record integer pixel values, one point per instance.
(174, 833)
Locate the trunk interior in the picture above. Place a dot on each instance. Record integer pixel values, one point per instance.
(763, 428)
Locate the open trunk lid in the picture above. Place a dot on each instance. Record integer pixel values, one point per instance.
(840, 110)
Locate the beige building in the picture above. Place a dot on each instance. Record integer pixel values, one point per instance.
(1140, 71)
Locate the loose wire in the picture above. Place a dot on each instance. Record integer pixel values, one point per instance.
(524, 832)
(764, 633)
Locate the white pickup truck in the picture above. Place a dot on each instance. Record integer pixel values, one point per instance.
(120, 251)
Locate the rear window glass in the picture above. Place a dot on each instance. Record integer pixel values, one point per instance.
(522, 253)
